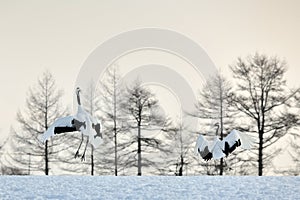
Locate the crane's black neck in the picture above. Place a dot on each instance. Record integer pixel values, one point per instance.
(217, 129)
(78, 98)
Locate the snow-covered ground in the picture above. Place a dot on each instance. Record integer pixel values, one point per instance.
(148, 187)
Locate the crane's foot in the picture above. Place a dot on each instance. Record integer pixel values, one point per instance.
(77, 154)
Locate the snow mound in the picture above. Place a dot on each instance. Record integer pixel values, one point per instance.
(148, 187)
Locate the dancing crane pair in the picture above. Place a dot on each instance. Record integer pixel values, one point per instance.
(91, 128)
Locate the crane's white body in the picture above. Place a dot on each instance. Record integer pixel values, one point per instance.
(89, 131)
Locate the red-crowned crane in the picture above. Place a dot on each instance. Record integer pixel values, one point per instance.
(82, 122)
(217, 148)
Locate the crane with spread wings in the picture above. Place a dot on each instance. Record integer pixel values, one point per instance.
(80, 122)
(218, 149)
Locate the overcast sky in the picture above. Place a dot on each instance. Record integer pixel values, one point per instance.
(59, 36)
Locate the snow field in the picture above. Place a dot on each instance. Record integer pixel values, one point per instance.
(149, 187)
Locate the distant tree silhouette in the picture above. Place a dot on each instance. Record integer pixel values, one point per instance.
(214, 106)
(142, 108)
(262, 96)
(112, 93)
(91, 102)
(177, 156)
(42, 108)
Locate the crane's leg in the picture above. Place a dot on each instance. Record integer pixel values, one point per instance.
(83, 155)
(77, 152)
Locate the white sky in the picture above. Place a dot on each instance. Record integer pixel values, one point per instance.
(59, 36)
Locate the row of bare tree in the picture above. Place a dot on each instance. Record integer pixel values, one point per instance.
(257, 101)
(138, 136)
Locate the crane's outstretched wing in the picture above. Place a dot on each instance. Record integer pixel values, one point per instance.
(235, 139)
(247, 141)
(202, 147)
(200, 144)
(61, 125)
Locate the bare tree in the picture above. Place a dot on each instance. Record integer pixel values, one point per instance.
(112, 97)
(295, 154)
(262, 95)
(177, 156)
(214, 106)
(92, 104)
(104, 102)
(294, 169)
(293, 150)
(143, 109)
(42, 108)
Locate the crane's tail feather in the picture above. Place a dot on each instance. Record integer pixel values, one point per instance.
(96, 142)
(217, 151)
(200, 143)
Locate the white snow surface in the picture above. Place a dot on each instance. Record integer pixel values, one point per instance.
(149, 187)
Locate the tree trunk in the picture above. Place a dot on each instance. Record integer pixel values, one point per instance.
(139, 151)
(221, 161)
(46, 159)
(260, 153)
(221, 117)
(92, 162)
(181, 166)
(116, 153)
(46, 127)
(221, 166)
(115, 123)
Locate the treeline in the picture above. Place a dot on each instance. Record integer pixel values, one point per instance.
(139, 139)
